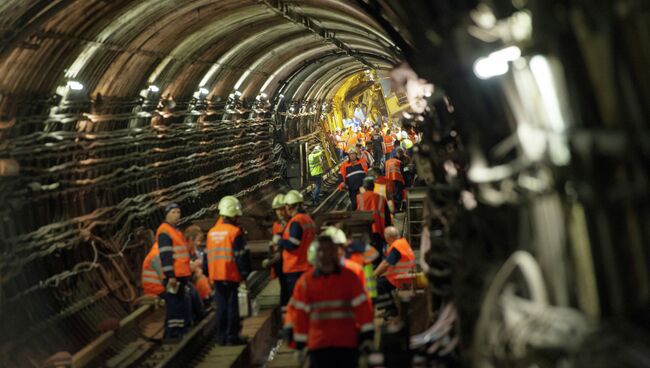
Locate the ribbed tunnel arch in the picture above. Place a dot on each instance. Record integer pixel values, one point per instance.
(89, 85)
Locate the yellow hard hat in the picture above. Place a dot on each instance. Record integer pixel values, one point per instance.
(278, 201)
(337, 235)
(229, 206)
(293, 197)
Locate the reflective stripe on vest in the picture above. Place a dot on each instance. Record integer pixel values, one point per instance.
(393, 170)
(389, 142)
(152, 276)
(181, 257)
(371, 282)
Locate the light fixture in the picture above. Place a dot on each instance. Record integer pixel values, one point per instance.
(74, 85)
(496, 63)
(237, 93)
(153, 88)
(203, 91)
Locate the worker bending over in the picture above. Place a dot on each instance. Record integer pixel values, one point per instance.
(332, 315)
(298, 234)
(228, 265)
(399, 260)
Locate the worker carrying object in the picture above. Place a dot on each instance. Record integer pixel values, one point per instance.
(375, 203)
(298, 234)
(315, 159)
(275, 260)
(332, 316)
(228, 265)
(399, 260)
(351, 176)
(175, 265)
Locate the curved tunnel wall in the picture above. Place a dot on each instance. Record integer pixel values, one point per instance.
(97, 164)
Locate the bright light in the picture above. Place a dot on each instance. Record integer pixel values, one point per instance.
(74, 85)
(281, 96)
(496, 63)
(263, 95)
(541, 70)
(153, 88)
(203, 91)
(237, 93)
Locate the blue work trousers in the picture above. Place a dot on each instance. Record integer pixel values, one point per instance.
(291, 279)
(177, 311)
(228, 320)
(318, 183)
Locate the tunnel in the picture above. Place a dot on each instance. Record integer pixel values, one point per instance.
(530, 167)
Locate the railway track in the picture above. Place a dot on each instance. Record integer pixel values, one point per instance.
(198, 347)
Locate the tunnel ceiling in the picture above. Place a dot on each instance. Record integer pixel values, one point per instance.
(117, 48)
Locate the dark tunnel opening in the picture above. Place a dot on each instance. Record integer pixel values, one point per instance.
(531, 158)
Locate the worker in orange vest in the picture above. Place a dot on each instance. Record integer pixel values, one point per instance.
(399, 260)
(333, 317)
(298, 234)
(368, 200)
(389, 143)
(152, 276)
(365, 156)
(175, 265)
(275, 261)
(395, 173)
(383, 187)
(351, 174)
(228, 265)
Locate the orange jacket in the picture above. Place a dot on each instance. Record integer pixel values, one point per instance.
(330, 311)
(352, 173)
(220, 248)
(356, 268)
(384, 187)
(295, 260)
(394, 170)
(152, 276)
(405, 264)
(371, 201)
(181, 252)
(389, 141)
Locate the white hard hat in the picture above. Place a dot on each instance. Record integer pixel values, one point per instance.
(404, 135)
(229, 206)
(293, 197)
(278, 201)
(317, 147)
(337, 235)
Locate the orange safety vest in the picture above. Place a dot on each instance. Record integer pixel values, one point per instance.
(356, 268)
(384, 188)
(180, 248)
(405, 264)
(202, 286)
(351, 142)
(221, 253)
(393, 170)
(296, 260)
(389, 142)
(371, 201)
(330, 312)
(152, 276)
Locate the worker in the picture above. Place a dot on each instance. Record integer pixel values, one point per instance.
(407, 144)
(383, 187)
(365, 255)
(395, 173)
(399, 260)
(175, 265)
(333, 317)
(152, 276)
(389, 144)
(378, 146)
(351, 174)
(352, 140)
(315, 160)
(298, 234)
(407, 168)
(340, 144)
(375, 203)
(365, 155)
(338, 237)
(275, 261)
(199, 288)
(228, 265)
